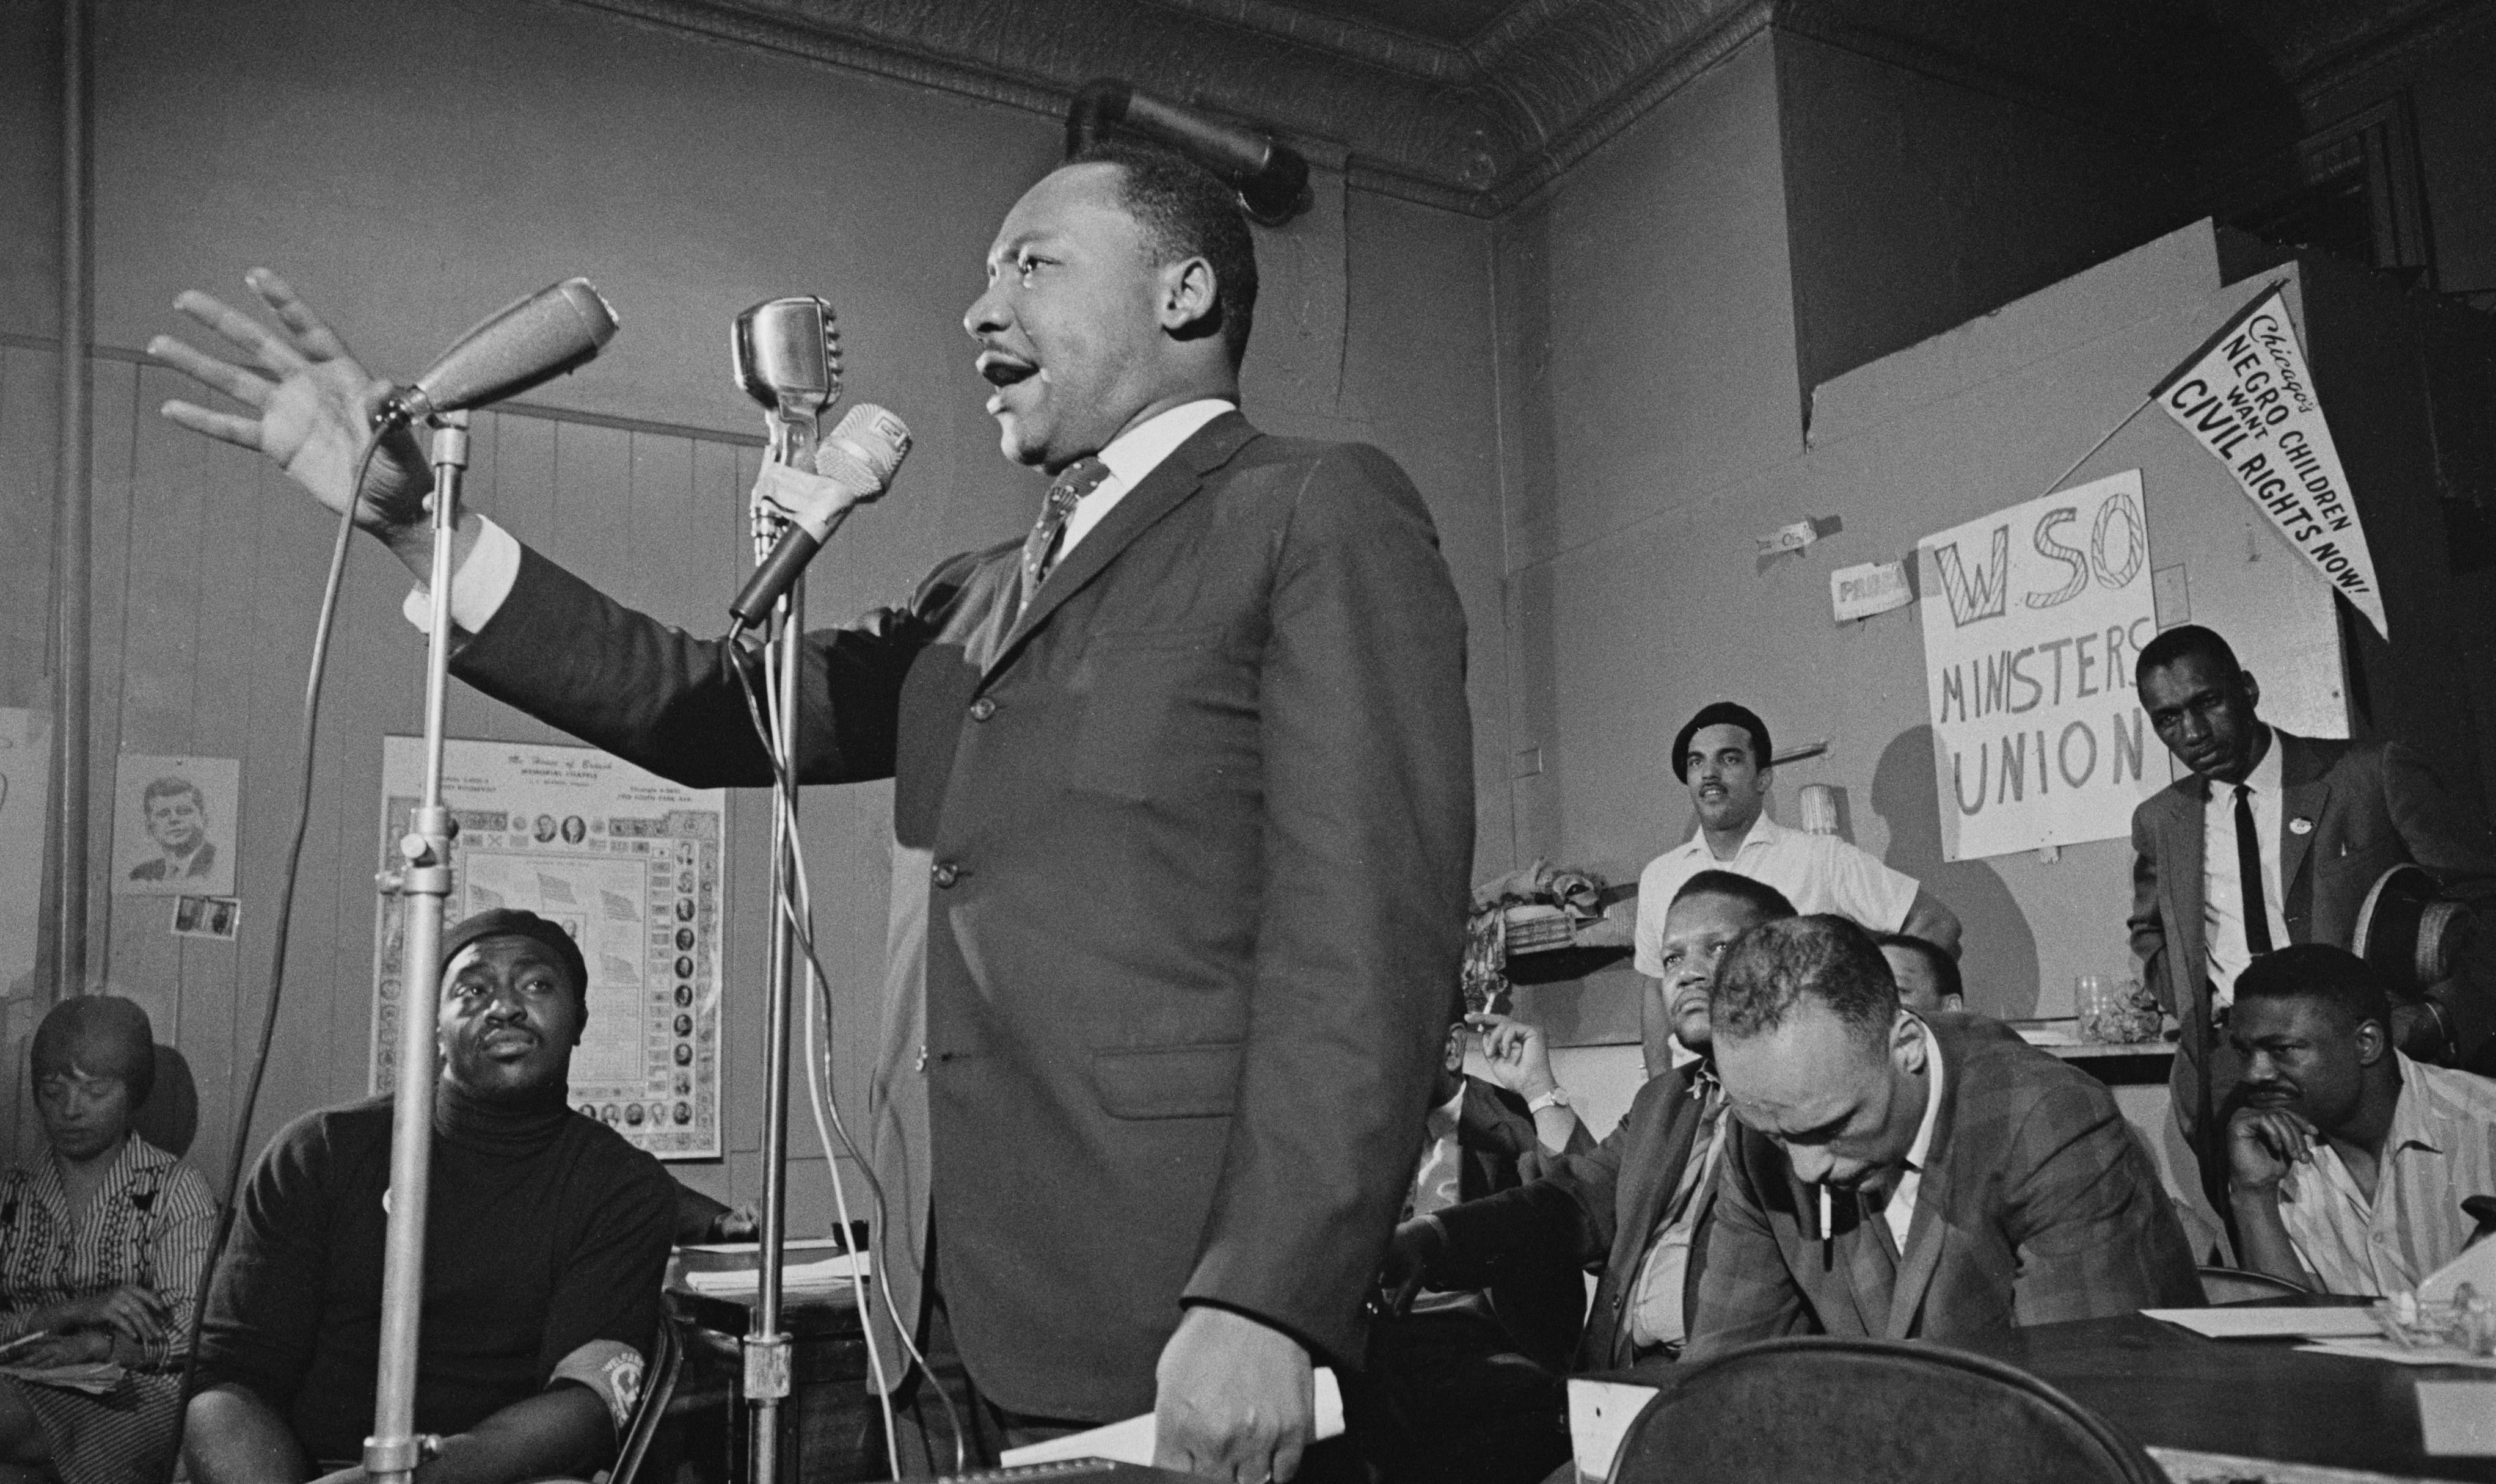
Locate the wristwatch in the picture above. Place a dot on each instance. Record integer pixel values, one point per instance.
(1558, 1097)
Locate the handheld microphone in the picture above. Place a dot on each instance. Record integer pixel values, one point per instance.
(787, 356)
(854, 464)
(527, 342)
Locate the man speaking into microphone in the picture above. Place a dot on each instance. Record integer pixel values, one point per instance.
(1182, 819)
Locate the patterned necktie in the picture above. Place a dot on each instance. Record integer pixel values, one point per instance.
(2249, 875)
(1040, 548)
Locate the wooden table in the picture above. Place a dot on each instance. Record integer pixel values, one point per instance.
(2254, 1398)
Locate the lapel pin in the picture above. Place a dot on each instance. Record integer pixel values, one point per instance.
(2300, 826)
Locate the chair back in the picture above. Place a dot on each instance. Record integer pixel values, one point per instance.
(2242, 1286)
(1869, 1411)
(658, 1386)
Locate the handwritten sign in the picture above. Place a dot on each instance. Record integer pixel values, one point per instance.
(2248, 399)
(1875, 587)
(2033, 618)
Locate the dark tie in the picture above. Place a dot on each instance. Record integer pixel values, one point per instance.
(1040, 548)
(2249, 875)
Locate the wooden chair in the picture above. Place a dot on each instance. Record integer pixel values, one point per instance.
(1869, 1411)
(2243, 1285)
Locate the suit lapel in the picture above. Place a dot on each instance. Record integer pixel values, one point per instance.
(2179, 887)
(1165, 489)
(1929, 1230)
(2304, 792)
(1872, 1274)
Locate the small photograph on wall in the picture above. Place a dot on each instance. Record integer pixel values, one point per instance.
(218, 918)
(173, 826)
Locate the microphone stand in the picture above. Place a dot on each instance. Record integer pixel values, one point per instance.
(765, 1345)
(423, 883)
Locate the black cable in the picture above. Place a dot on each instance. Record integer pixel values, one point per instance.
(785, 786)
(320, 630)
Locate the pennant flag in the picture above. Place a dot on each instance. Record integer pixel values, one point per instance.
(2248, 399)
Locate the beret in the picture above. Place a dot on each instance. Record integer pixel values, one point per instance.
(512, 922)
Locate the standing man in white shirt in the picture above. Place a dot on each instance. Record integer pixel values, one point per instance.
(2272, 840)
(1722, 756)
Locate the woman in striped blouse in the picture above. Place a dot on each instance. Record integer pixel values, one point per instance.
(101, 1244)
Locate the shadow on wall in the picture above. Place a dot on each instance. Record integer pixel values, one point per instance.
(1999, 955)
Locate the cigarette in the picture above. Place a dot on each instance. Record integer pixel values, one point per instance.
(1827, 1230)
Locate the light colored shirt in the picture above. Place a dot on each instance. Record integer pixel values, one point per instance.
(1657, 1307)
(1133, 454)
(2441, 1148)
(2223, 896)
(486, 576)
(1817, 873)
(1439, 1183)
(1900, 1212)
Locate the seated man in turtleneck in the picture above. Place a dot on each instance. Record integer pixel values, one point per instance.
(546, 1241)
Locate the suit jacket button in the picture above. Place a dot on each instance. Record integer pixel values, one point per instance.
(983, 709)
(946, 872)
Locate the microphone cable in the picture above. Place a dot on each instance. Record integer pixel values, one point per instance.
(321, 628)
(798, 914)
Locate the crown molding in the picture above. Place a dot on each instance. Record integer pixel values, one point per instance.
(1487, 125)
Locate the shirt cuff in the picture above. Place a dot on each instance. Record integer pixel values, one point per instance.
(477, 588)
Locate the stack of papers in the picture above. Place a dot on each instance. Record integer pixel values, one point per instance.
(2282, 1323)
(823, 1276)
(1132, 1441)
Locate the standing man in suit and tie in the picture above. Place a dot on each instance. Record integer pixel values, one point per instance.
(1182, 822)
(2274, 839)
(1912, 1177)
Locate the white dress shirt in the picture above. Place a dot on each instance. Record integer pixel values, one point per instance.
(2223, 898)
(1817, 873)
(1439, 1181)
(486, 576)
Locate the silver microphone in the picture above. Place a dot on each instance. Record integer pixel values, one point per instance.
(788, 357)
(528, 341)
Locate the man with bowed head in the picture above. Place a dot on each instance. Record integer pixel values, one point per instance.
(546, 1239)
(1912, 1177)
(1182, 821)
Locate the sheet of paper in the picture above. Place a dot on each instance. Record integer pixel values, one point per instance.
(742, 1282)
(2271, 1323)
(1600, 1414)
(1132, 1441)
(2398, 1354)
(2457, 1417)
(95, 1378)
(791, 1245)
(2475, 1266)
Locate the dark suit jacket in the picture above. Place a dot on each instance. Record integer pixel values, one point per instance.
(202, 864)
(1178, 892)
(2372, 805)
(1601, 1207)
(1538, 1299)
(2037, 1205)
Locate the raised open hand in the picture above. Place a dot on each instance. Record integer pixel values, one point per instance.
(312, 401)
